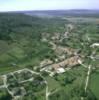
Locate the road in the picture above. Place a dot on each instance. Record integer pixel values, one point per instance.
(47, 93)
(11, 93)
(87, 78)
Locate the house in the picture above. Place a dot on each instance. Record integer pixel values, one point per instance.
(57, 68)
(60, 70)
(70, 27)
(66, 34)
(46, 62)
(62, 57)
(95, 45)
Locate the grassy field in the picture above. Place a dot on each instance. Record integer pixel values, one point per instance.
(94, 86)
(70, 90)
(52, 84)
(78, 73)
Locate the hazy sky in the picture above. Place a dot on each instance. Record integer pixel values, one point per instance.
(13, 5)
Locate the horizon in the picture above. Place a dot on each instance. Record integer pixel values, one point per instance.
(16, 5)
(51, 10)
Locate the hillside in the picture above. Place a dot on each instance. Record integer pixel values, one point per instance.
(51, 58)
(20, 35)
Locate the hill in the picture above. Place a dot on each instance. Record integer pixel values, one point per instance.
(20, 38)
(63, 13)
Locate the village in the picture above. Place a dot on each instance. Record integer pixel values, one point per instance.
(17, 82)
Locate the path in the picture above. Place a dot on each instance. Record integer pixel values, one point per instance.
(19, 71)
(87, 78)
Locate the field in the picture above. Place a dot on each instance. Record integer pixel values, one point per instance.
(69, 82)
(94, 86)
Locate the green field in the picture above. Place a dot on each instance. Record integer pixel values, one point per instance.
(94, 84)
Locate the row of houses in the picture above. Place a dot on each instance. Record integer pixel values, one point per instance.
(61, 67)
(68, 63)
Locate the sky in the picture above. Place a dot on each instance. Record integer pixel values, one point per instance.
(20, 5)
